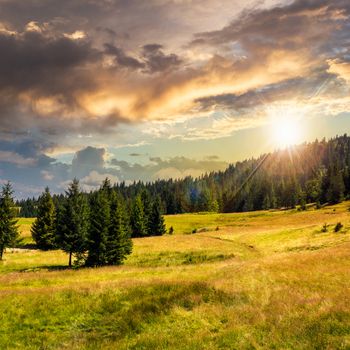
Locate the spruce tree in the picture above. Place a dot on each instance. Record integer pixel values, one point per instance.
(98, 229)
(138, 221)
(8, 222)
(43, 229)
(157, 225)
(73, 222)
(119, 243)
(335, 192)
(147, 209)
(106, 187)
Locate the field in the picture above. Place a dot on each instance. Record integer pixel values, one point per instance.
(260, 280)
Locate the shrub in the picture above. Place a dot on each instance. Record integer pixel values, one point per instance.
(338, 227)
(194, 230)
(171, 230)
(325, 228)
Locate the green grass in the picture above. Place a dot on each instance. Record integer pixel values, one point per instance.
(24, 228)
(264, 280)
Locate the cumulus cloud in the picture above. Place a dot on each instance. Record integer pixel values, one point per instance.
(87, 160)
(94, 179)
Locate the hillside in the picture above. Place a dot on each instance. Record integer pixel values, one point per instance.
(265, 279)
(311, 172)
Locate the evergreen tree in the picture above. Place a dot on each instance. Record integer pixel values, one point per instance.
(335, 192)
(73, 222)
(43, 229)
(8, 222)
(313, 190)
(98, 229)
(119, 243)
(147, 209)
(156, 222)
(106, 187)
(138, 222)
(213, 206)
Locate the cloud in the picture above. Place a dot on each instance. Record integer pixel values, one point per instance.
(121, 58)
(94, 180)
(340, 68)
(15, 158)
(46, 175)
(174, 173)
(157, 61)
(158, 168)
(135, 154)
(87, 160)
(74, 74)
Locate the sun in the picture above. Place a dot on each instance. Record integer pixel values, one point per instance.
(286, 126)
(286, 132)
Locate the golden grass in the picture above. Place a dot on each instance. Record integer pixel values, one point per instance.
(264, 280)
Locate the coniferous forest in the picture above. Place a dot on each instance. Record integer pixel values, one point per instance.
(93, 229)
(317, 172)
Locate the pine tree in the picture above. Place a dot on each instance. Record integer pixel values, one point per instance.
(8, 222)
(213, 206)
(106, 187)
(98, 229)
(43, 229)
(73, 222)
(147, 209)
(335, 193)
(138, 222)
(119, 243)
(157, 226)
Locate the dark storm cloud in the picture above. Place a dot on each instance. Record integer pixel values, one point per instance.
(35, 65)
(157, 61)
(152, 58)
(121, 58)
(19, 12)
(34, 61)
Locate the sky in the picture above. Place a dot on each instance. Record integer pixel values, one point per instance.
(146, 90)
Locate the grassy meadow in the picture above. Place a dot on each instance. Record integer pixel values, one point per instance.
(259, 280)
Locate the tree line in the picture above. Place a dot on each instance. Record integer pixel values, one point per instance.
(311, 172)
(95, 229)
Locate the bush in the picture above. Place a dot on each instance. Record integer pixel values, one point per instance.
(338, 227)
(171, 230)
(194, 230)
(324, 228)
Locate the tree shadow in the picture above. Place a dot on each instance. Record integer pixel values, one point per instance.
(30, 246)
(55, 268)
(49, 268)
